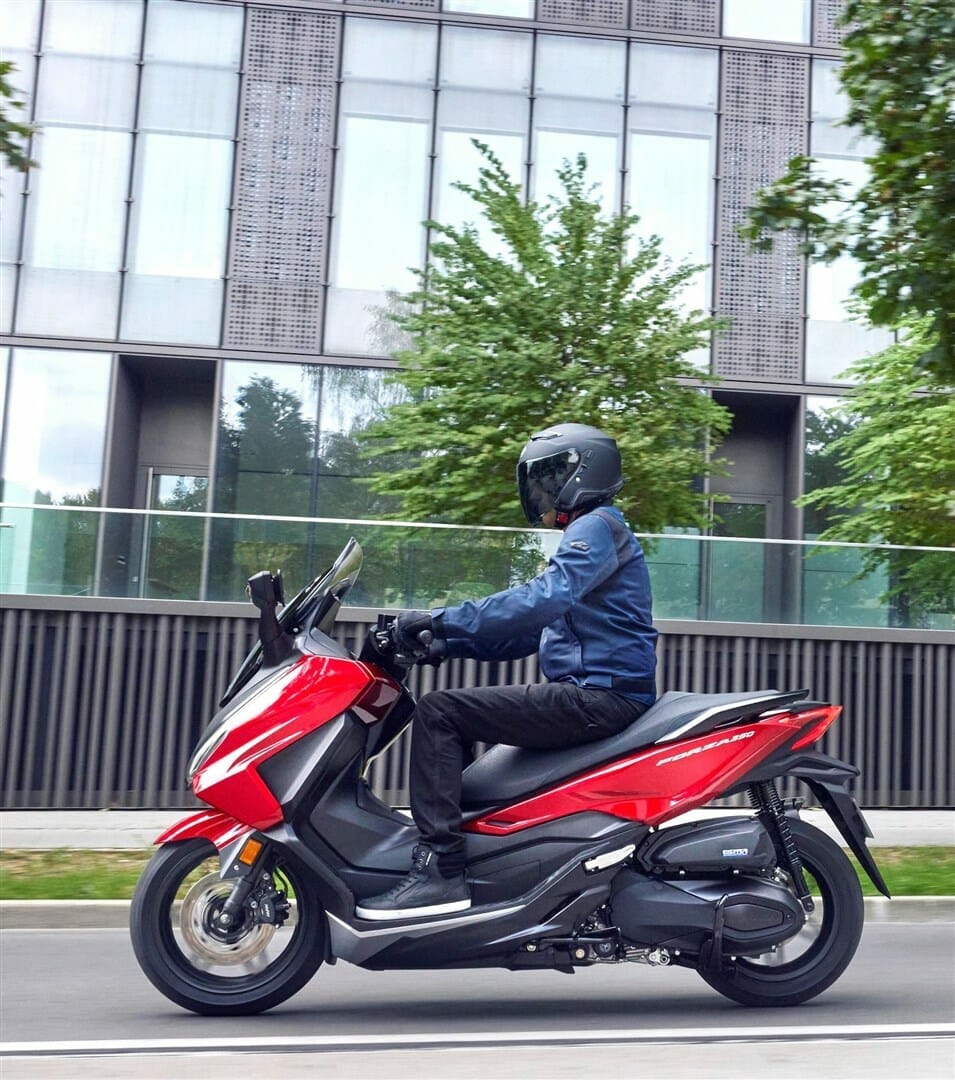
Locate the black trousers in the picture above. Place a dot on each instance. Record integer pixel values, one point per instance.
(447, 723)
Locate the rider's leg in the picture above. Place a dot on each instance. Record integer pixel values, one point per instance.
(446, 724)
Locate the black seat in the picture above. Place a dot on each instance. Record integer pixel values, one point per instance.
(507, 773)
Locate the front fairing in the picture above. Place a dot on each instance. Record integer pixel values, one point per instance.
(280, 708)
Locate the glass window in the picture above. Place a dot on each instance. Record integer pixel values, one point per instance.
(73, 243)
(177, 239)
(93, 27)
(485, 80)
(579, 89)
(833, 592)
(183, 174)
(18, 44)
(671, 156)
(4, 369)
(268, 414)
(767, 20)
(196, 34)
(510, 9)
(56, 425)
(834, 337)
(73, 240)
(288, 447)
(87, 90)
(387, 101)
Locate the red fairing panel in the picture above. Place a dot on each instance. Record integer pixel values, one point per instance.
(656, 784)
(208, 824)
(293, 702)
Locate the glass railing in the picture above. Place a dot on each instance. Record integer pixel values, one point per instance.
(177, 555)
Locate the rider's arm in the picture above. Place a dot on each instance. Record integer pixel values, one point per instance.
(586, 557)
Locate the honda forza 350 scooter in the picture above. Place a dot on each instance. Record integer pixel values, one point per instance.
(568, 862)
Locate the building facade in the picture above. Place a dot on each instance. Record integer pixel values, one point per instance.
(230, 195)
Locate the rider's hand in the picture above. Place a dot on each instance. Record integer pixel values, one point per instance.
(408, 625)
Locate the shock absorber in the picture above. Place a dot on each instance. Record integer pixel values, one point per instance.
(769, 809)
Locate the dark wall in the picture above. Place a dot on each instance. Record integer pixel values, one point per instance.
(102, 708)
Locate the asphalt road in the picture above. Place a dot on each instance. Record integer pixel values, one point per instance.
(75, 988)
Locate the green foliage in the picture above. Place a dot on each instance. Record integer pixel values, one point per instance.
(573, 321)
(71, 874)
(894, 478)
(899, 76)
(12, 133)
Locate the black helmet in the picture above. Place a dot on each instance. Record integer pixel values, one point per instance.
(565, 468)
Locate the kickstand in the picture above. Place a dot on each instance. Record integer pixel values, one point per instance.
(711, 955)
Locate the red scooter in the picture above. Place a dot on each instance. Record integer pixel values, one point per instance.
(568, 864)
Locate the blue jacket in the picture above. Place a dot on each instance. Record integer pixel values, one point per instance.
(588, 614)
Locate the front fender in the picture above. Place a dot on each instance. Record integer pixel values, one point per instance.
(221, 829)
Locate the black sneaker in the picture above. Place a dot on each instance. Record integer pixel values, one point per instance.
(423, 892)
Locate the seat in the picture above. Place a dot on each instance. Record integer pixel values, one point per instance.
(506, 774)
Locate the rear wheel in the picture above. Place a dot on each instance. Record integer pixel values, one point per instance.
(193, 962)
(817, 955)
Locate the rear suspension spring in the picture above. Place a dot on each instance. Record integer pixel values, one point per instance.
(770, 810)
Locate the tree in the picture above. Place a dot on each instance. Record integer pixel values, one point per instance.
(899, 76)
(894, 481)
(11, 131)
(573, 321)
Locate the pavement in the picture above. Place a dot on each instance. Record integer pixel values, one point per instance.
(105, 829)
(138, 829)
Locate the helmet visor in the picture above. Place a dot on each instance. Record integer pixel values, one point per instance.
(541, 481)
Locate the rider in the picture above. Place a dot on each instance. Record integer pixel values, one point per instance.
(588, 615)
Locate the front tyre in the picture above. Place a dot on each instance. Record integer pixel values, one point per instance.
(814, 958)
(185, 956)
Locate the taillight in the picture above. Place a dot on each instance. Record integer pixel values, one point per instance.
(819, 721)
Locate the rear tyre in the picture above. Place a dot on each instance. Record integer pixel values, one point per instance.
(194, 964)
(813, 959)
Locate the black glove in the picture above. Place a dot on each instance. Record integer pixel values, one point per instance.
(408, 625)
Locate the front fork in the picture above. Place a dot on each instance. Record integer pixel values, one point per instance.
(245, 863)
(771, 812)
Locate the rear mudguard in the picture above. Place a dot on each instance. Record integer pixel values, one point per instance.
(221, 829)
(828, 779)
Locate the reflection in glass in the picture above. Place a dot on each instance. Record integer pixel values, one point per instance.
(171, 562)
(288, 446)
(93, 27)
(183, 173)
(834, 337)
(738, 572)
(74, 233)
(767, 20)
(509, 9)
(485, 79)
(177, 239)
(579, 85)
(671, 157)
(53, 453)
(387, 100)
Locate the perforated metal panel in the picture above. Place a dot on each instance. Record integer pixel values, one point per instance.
(277, 264)
(583, 12)
(825, 28)
(764, 124)
(679, 16)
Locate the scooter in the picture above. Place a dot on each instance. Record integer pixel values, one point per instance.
(568, 862)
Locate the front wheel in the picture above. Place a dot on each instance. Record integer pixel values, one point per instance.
(188, 958)
(817, 955)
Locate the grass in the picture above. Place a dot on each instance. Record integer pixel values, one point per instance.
(66, 874)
